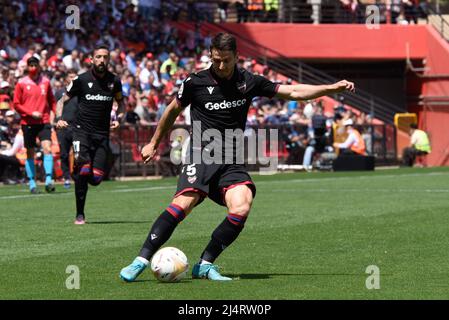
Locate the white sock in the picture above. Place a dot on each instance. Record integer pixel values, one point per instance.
(143, 260)
(204, 262)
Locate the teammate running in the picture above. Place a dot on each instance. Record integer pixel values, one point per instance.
(65, 133)
(219, 97)
(96, 89)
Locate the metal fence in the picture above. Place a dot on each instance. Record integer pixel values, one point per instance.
(127, 142)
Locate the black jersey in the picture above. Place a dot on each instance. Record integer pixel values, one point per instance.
(70, 110)
(222, 104)
(95, 99)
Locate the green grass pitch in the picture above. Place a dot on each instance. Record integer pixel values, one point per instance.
(309, 236)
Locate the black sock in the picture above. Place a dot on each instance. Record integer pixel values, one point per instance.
(223, 236)
(161, 230)
(81, 186)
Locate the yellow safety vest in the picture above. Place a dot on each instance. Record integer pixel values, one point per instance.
(271, 5)
(423, 143)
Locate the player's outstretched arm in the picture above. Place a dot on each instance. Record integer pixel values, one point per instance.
(165, 123)
(308, 91)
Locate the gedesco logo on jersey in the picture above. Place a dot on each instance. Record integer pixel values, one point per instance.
(98, 97)
(224, 104)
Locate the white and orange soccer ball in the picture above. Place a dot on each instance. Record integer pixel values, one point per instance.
(169, 264)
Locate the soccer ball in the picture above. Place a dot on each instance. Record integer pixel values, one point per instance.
(169, 264)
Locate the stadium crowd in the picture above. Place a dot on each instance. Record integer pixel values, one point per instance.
(151, 57)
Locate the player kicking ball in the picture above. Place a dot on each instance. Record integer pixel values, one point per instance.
(219, 98)
(96, 89)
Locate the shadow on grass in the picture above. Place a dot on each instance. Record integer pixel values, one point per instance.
(255, 276)
(162, 283)
(116, 222)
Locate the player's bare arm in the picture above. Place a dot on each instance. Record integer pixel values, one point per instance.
(308, 91)
(115, 123)
(59, 109)
(168, 118)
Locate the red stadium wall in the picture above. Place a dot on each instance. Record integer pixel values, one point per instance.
(307, 41)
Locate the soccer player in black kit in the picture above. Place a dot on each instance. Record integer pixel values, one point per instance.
(96, 89)
(65, 132)
(219, 98)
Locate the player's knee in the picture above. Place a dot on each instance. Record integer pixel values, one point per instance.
(46, 146)
(97, 177)
(187, 201)
(82, 168)
(239, 200)
(240, 209)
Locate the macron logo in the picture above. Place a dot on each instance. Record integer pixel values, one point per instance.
(210, 89)
(153, 236)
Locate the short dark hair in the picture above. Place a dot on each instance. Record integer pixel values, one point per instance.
(224, 42)
(71, 71)
(413, 126)
(99, 47)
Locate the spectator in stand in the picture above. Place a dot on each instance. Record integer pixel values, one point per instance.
(13, 50)
(72, 61)
(396, 9)
(241, 6)
(55, 61)
(31, 51)
(295, 144)
(70, 41)
(131, 117)
(171, 63)
(5, 97)
(299, 118)
(131, 61)
(271, 10)
(255, 8)
(318, 138)
(410, 11)
(354, 144)
(9, 162)
(222, 10)
(142, 109)
(419, 145)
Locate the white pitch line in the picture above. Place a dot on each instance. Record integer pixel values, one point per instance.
(119, 190)
(141, 189)
(25, 196)
(364, 190)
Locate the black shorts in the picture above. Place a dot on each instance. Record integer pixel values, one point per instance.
(33, 131)
(213, 180)
(91, 148)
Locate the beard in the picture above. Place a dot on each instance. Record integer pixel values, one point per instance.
(100, 68)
